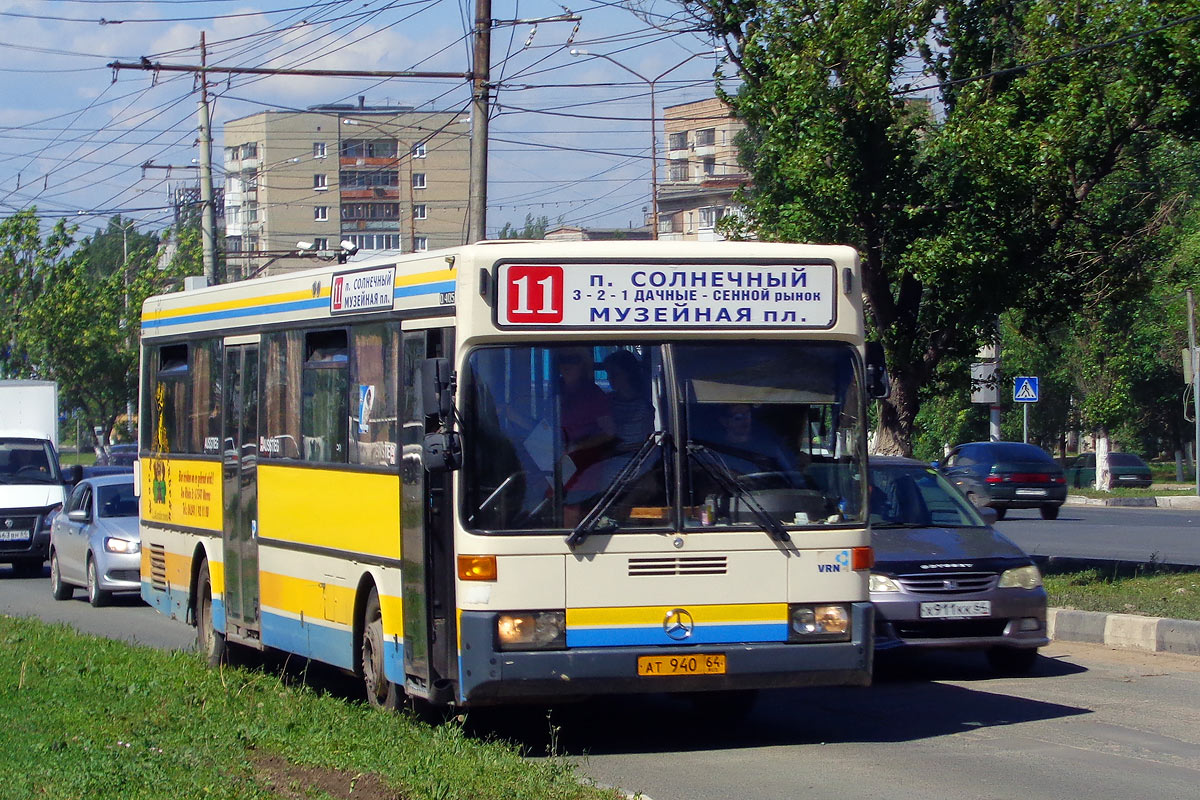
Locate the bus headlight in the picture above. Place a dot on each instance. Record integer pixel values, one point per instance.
(825, 623)
(532, 630)
(1021, 578)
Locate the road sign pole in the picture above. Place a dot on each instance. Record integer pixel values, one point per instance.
(1025, 428)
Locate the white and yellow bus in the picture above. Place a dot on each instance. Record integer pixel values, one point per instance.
(519, 471)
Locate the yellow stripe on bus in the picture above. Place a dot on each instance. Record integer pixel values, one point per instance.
(325, 601)
(357, 512)
(653, 615)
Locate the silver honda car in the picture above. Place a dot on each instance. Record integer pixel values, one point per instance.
(943, 577)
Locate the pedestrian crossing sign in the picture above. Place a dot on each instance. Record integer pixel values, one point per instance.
(1025, 389)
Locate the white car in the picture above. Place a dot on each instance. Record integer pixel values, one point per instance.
(95, 543)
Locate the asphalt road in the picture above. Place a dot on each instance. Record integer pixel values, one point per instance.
(1090, 722)
(1117, 533)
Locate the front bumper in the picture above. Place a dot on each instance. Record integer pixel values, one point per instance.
(898, 622)
(119, 572)
(489, 676)
(36, 549)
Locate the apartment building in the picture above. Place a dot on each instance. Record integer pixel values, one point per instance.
(384, 178)
(702, 170)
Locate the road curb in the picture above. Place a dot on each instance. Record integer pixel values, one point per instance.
(1186, 501)
(1125, 631)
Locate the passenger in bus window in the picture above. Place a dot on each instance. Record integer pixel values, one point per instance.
(632, 413)
(586, 411)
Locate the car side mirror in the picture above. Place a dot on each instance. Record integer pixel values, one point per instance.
(879, 385)
(989, 515)
(72, 474)
(935, 464)
(78, 515)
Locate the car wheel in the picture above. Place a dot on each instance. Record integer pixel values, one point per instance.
(96, 596)
(209, 641)
(1013, 660)
(1049, 512)
(381, 692)
(1000, 511)
(60, 590)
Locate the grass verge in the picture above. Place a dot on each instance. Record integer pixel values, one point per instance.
(87, 717)
(1152, 592)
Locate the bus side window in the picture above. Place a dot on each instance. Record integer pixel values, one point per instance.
(323, 406)
(372, 400)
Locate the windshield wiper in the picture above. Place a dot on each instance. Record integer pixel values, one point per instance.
(628, 474)
(719, 472)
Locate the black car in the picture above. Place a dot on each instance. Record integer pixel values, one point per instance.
(1009, 475)
(943, 578)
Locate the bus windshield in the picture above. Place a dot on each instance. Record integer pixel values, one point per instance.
(662, 435)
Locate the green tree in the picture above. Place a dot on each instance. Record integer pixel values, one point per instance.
(533, 229)
(958, 203)
(25, 259)
(82, 329)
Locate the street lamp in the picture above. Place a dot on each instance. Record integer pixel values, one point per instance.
(653, 114)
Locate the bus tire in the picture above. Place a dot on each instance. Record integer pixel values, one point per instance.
(209, 641)
(381, 692)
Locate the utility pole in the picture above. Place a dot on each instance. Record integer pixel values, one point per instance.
(1191, 303)
(480, 90)
(208, 209)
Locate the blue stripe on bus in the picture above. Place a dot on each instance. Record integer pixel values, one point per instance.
(702, 634)
(331, 645)
(231, 313)
(282, 308)
(423, 288)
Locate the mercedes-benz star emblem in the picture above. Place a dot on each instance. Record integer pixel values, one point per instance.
(678, 624)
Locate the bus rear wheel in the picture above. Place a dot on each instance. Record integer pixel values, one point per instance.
(381, 692)
(209, 641)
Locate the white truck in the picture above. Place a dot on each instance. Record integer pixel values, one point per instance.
(32, 486)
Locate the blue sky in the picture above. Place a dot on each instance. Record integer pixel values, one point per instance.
(570, 135)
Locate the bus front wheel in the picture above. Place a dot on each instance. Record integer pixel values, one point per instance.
(381, 692)
(209, 641)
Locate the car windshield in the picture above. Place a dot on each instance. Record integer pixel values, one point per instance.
(117, 501)
(606, 436)
(915, 496)
(27, 461)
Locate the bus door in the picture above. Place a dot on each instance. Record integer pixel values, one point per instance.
(427, 548)
(240, 436)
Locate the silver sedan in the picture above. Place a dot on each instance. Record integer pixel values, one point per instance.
(95, 542)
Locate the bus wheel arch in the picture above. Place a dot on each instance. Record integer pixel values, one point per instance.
(370, 649)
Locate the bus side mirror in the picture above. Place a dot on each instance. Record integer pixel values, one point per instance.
(443, 451)
(879, 385)
(437, 387)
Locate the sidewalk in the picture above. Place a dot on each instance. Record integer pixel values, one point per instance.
(1125, 631)
(1177, 499)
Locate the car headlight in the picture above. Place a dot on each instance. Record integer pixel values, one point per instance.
(532, 630)
(882, 583)
(114, 545)
(1021, 578)
(823, 623)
